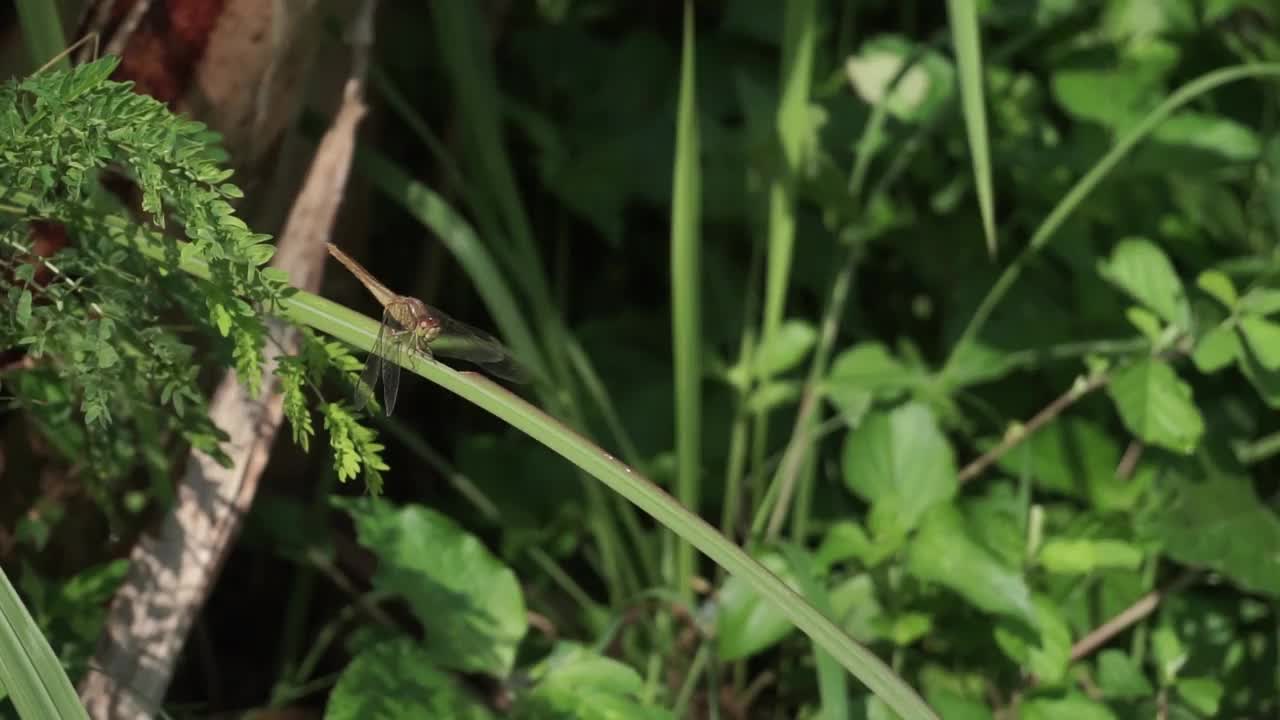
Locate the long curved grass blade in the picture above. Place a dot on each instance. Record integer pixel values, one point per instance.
(968, 46)
(29, 669)
(361, 332)
(686, 296)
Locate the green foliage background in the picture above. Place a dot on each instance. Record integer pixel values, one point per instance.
(961, 320)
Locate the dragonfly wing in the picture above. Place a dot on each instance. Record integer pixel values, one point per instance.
(369, 375)
(463, 342)
(391, 368)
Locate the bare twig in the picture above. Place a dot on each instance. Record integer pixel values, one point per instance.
(1042, 418)
(173, 570)
(1131, 615)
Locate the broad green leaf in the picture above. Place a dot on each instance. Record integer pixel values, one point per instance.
(1219, 285)
(1071, 707)
(1075, 457)
(1210, 134)
(955, 707)
(1044, 650)
(1078, 556)
(905, 628)
(1217, 349)
(924, 88)
(785, 349)
(400, 679)
(1120, 677)
(1156, 405)
(1169, 654)
(576, 683)
(1261, 301)
(1265, 382)
(747, 624)
(1146, 322)
(942, 552)
(1204, 694)
(1212, 506)
(863, 373)
(1142, 270)
(1263, 337)
(468, 602)
(871, 367)
(856, 609)
(23, 312)
(901, 463)
(845, 540)
(1114, 97)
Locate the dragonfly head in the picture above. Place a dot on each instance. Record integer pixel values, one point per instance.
(428, 327)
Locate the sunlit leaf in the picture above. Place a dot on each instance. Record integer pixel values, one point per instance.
(469, 603)
(901, 463)
(400, 679)
(1156, 405)
(1141, 269)
(942, 552)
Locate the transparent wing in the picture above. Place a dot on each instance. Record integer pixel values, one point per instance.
(372, 362)
(463, 342)
(391, 367)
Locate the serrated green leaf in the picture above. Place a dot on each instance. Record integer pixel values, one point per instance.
(1219, 285)
(1204, 694)
(1043, 649)
(1210, 505)
(222, 318)
(469, 602)
(943, 553)
(1145, 321)
(1211, 134)
(107, 356)
(785, 349)
(1217, 349)
(1078, 556)
(1120, 677)
(1071, 707)
(574, 682)
(23, 312)
(902, 464)
(1263, 337)
(399, 679)
(1261, 301)
(1169, 654)
(1156, 405)
(1142, 270)
(746, 624)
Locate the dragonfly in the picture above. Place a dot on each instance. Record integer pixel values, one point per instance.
(408, 324)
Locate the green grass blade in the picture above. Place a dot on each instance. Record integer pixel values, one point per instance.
(42, 32)
(832, 687)
(1074, 197)
(29, 670)
(359, 331)
(428, 208)
(800, 33)
(686, 293)
(968, 46)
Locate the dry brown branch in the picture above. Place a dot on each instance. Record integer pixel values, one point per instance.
(1129, 616)
(1042, 418)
